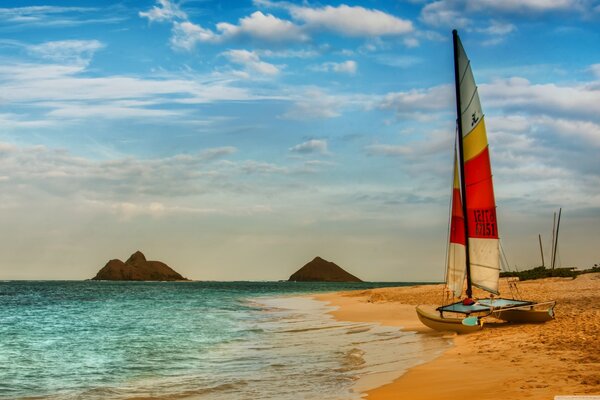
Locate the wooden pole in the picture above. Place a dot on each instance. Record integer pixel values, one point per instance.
(556, 239)
(541, 250)
(553, 235)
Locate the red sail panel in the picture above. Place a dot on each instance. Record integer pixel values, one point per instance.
(457, 222)
(455, 276)
(480, 197)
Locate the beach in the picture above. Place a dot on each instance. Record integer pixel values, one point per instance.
(502, 361)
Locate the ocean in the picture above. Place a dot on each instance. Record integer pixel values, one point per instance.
(192, 340)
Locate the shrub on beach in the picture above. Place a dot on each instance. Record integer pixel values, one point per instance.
(541, 272)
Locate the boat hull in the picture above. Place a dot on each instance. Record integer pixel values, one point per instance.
(526, 315)
(446, 324)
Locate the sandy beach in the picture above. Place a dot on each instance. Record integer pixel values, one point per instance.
(503, 361)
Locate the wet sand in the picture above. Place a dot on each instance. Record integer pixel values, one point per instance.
(503, 361)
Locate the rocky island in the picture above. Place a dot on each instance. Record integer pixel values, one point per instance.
(320, 270)
(137, 268)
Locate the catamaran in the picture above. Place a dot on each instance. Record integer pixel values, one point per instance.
(474, 248)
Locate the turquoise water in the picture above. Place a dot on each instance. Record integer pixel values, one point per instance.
(206, 340)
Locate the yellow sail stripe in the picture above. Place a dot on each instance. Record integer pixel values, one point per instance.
(475, 141)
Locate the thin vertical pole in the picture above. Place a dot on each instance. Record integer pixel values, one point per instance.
(553, 236)
(556, 239)
(461, 164)
(541, 250)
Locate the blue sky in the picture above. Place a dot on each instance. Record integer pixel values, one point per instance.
(239, 139)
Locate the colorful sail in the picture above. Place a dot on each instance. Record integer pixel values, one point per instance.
(455, 277)
(479, 197)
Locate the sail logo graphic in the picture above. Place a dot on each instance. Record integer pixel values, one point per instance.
(474, 119)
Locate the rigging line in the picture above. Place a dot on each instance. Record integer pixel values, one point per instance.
(511, 284)
(510, 287)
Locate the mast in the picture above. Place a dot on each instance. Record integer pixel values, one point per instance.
(461, 163)
(541, 250)
(556, 239)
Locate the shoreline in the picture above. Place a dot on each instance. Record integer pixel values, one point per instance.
(503, 361)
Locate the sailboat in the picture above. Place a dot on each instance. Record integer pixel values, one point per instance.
(474, 248)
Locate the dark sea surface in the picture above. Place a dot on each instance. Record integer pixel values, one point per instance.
(204, 340)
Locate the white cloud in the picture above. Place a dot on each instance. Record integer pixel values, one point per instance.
(553, 158)
(52, 16)
(265, 27)
(576, 101)
(288, 53)
(66, 51)
(497, 31)
(498, 28)
(444, 13)
(348, 67)
(60, 173)
(185, 35)
(461, 13)
(355, 21)
(310, 147)
(128, 210)
(595, 69)
(314, 104)
(345, 67)
(61, 93)
(262, 167)
(389, 150)
(251, 61)
(411, 42)
(351, 21)
(13, 120)
(420, 102)
(258, 26)
(218, 152)
(107, 111)
(26, 72)
(165, 10)
(525, 6)
(513, 96)
(422, 150)
(585, 132)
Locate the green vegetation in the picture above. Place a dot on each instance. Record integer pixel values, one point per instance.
(595, 268)
(541, 272)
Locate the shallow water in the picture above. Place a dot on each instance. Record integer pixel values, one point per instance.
(205, 340)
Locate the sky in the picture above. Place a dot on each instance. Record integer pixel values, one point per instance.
(237, 140)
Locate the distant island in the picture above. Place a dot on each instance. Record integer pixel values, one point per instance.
(320, 270)
(137, 268)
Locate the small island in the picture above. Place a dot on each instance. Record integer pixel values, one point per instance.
(320, 270)
(137, 268)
